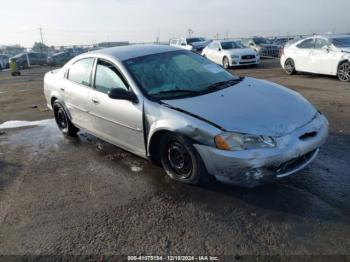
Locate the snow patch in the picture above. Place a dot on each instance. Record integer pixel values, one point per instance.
(19, 123)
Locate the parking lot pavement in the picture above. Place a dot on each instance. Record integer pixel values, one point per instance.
(85, 196)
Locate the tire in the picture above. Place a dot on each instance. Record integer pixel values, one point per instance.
(181, 161)
(344, 72)
(62, 120)
(226, 63)
(289, 67)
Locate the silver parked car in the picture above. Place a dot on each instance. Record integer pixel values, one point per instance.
(179, 109)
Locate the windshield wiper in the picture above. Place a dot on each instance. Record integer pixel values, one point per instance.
(177, 91)
(224, 84)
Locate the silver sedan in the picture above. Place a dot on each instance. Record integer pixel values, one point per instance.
(187, 114)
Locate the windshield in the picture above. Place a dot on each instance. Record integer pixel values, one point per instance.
(230, 45)
(194, 40)
(177, 73)
(261, 41)
(341, 42)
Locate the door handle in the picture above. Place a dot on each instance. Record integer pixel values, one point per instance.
(62, 88)
(95, 100)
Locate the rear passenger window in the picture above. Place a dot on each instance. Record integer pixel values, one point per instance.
(307, 44)
(80, 71)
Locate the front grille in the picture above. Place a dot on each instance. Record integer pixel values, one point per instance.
(244, 63)
(292, 164)
(270, 51)
(246, 57)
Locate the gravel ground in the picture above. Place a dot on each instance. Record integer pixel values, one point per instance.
(86, 197)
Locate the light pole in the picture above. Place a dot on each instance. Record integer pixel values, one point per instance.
(190, 32)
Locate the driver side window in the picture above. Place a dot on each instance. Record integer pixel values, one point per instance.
(307, 44)
(108, 77)
(321, 43)
(216, 46)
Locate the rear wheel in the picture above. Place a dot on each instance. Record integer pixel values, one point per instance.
(225, 63)
(62, 120)
(289, 66)
(344, 72)
(181, 161)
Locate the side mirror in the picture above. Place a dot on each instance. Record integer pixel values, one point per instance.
(122, 94)
(251, 44)
(183, 44)
(327, 48)
(219, 49)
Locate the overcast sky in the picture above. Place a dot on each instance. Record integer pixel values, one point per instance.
(68, 22)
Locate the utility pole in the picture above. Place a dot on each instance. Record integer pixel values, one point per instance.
(157, 38)
(42, 39)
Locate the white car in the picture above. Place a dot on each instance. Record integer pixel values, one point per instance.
(195, 44)
(327, 55)
(229, 53)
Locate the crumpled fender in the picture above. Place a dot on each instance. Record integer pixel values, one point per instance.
(175, 121)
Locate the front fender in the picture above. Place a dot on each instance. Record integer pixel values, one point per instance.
(162, 118)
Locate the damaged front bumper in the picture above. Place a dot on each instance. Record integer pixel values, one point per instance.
(250, 168)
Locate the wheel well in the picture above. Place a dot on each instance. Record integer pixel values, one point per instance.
(154, 146)
(53, 99)
(341, 62)
(289, 58)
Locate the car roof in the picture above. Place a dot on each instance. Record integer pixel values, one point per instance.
(330, 36)
(227, 40)
(194, 37)
(123, 53)
(60, 53)
(334, 36)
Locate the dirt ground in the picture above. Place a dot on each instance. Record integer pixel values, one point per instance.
(86, 197)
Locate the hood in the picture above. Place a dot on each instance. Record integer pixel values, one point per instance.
(240, 51)
(268, 45)
(252, 106)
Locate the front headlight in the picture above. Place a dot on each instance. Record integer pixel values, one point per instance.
(234, 56)
(238, 142)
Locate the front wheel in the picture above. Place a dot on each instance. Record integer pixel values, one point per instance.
(226, 63)
(289, 66)
(62, 120)
(181, 161)
(344, 72)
